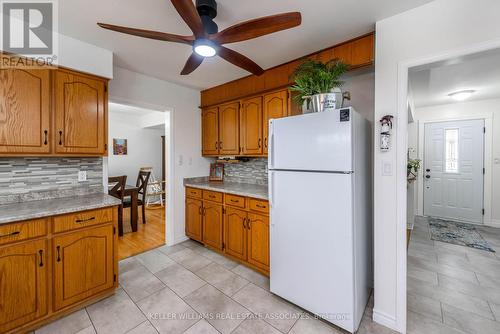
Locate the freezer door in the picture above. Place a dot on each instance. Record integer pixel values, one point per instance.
(312, 243)
(312, 142)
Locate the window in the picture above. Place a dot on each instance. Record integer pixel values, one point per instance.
(451, 150)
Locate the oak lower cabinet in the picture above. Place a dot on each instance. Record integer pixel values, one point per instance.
(83, 266)
(194, 219)
(236, 226)
(46, 273)
(23, 284)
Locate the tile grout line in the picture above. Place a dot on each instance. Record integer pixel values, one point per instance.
(91, 322)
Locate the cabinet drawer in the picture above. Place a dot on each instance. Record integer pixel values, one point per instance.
(21, 231)
(234, 200)
(194, 193)
(259, 205)
(212, 196)
(82, 219)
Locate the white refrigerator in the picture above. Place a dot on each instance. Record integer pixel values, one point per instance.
(320, 186)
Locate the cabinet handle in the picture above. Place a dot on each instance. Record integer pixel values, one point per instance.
(9, 234)
(260, 206)
(234, 200)
(60, 137)
(245, 223)
(204, 211)
(80, 221)
(265, 142)
(46, 136)
(249, 224)
(260, 141)
(58, 253)
(220, 145)
(41, 257)
(216, 145)
(199, 211)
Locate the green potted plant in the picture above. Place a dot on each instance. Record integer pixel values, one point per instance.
(412, 169)
(320, 83)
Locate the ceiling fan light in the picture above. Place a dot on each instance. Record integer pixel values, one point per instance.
(204, 48)
(462, 95)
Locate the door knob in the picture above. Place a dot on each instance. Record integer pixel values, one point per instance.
(427, 176)
(427, 170)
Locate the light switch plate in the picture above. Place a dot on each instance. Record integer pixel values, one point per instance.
(82, 176)
(386, 168)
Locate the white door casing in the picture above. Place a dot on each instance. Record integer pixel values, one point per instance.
(453, 170)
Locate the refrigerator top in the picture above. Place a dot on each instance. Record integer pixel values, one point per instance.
(319, 142)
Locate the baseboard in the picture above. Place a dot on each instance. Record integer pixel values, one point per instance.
(385, 320)
(178, 241)
(493, 223)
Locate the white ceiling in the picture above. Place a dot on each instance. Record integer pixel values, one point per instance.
(431, 84)
(324, 23)
(129, 110)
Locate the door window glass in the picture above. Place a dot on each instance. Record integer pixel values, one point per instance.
(451, 150)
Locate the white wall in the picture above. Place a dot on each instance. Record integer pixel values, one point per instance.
(362, 89)
(143, 146)
(437, 28)
(136, 89)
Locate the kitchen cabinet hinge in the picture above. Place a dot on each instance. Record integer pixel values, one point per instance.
(483, 212)
(484, 170)
(114, 278)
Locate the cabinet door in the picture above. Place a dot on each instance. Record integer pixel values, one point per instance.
(24, 111)
(212, 225)
(235, 233)
(258, 241)
(210, 131)
(251, 126)
(80, 114)
(194, 219)
(229, 134)
(275, 106)
(23, 284)
(83, 265)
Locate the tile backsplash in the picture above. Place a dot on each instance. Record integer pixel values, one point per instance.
(29, 179)
(253, 171)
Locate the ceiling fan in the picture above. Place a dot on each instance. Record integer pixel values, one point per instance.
(207, 40)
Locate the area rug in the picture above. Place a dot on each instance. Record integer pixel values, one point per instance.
(458, 234)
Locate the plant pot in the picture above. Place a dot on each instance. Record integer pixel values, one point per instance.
(327, 101)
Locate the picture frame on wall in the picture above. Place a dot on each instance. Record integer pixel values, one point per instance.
(216, 172)
(120, 146)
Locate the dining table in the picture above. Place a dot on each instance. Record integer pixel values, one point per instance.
(133, 192)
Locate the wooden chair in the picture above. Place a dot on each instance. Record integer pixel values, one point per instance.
(118, 191)
(142, 184)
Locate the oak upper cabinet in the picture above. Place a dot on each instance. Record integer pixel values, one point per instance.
(83, 265)
(23, 283)
(235, 233)
(24, 111)
(229, 134)
(258, 240)
(251, 126)
(212, 225)
(80, 114)
(194, 219)
(210, 131)
(275, 106)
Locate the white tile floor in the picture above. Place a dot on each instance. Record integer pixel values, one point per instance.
(452, 288)
(182, 289)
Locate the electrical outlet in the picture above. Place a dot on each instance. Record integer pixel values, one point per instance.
(82, 176)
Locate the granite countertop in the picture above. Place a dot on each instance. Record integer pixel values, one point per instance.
(235, 188)
(51, 207)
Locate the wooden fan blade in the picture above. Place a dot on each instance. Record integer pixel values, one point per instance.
(189, 14)
(192, 64)
(161, 36)
(257, 27)
(239, 60)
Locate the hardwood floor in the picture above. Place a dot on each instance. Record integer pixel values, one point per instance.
(148, 236)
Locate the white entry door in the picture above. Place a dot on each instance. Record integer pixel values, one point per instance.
(453, 170)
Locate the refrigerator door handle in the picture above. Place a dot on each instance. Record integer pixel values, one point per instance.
(271, 189)
(271, 145)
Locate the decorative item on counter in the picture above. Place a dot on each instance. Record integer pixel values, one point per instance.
(385, 133)
(412, 169)
(216, 172)
(319, 84)
(119, 146)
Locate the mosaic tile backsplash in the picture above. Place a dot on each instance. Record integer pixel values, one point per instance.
(30, 179)
(253, 171)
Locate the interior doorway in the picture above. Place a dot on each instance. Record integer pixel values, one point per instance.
(453, 170)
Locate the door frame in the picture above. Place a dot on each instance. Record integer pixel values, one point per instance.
(487, 117)
(401, 147)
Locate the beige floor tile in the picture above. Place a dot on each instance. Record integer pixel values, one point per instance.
(469, 275)
(217, 258)
(419, 324)
(254, 326)
(469, 322)
(154, 260)
(265, 304)
(220, 311)
(425, 306)
(310, 325)
(252, 276)
(88, 330)
(116, 314)
(180, 280)
(145, 328)
(491, 294)
(488, 280)
(168, 313)
(140, 283)
(202, 327)
(423, 275)
(192, 261)
(191, 244)
(495, 308)
(71, 324)
(167, 250)
(223, 279)
(368, 326)
(182, 254)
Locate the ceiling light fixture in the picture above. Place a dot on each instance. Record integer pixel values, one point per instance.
(204, 47)
(462, 95)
